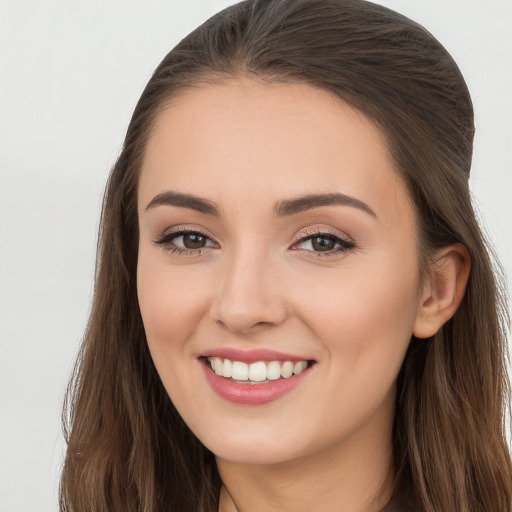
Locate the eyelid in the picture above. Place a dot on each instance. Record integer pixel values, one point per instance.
(311, 232)
(165, 239)
(345, 242)
(182, 230)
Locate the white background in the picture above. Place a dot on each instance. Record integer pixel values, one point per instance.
(70, 75)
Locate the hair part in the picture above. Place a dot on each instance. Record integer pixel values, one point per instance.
(128, 448)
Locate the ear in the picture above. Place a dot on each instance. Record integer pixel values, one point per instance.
(443, 292)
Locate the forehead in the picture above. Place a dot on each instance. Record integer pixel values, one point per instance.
(245, 142)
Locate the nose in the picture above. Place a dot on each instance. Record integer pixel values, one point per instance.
(250, 296)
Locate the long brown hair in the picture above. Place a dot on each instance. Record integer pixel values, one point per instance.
(128, 448)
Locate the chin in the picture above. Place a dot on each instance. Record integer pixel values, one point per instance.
(252, 449)
(254, 455)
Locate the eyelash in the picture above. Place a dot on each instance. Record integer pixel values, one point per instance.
(345, 244)
(166, 238)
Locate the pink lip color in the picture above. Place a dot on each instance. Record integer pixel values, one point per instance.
(251, 394)
(251, 356)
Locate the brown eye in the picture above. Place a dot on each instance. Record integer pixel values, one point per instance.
(325, 244)
(194, 241)
(180, 241)
(322, 243)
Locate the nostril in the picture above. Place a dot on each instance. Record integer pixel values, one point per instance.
(242, 324)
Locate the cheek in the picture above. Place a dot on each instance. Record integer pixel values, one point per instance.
(362, 296)
(365, 319)
(171, 305)
(363, 322)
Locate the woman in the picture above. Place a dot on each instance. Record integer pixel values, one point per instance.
(294, 307)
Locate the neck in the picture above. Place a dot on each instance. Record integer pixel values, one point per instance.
(354, 476)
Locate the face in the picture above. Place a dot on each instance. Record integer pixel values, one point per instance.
(278, 245)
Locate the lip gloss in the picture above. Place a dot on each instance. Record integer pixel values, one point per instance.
(252, 394)
(252, 356)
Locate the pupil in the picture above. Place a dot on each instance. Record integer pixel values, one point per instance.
(192, 241)
(321, 243)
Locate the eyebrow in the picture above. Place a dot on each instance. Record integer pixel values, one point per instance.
(281, 209)
(308, 202)
(185, 201)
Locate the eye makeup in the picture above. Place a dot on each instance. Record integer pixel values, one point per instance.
(317, 243)
(327, 243)
(189, 245)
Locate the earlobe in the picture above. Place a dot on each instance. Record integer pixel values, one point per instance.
(444, 291)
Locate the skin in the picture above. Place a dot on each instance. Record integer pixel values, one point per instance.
(245, 145)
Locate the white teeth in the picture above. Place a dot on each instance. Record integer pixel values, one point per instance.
(287, 369)
(227, 369)
(240, 371)
(274, 370)
(299, 367)
(256, 372)
(217, 365)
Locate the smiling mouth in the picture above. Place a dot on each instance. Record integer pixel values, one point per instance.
(259, 372)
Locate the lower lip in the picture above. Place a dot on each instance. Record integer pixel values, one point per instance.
(252, 394)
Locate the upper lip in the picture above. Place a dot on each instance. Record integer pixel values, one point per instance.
(252, 356)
